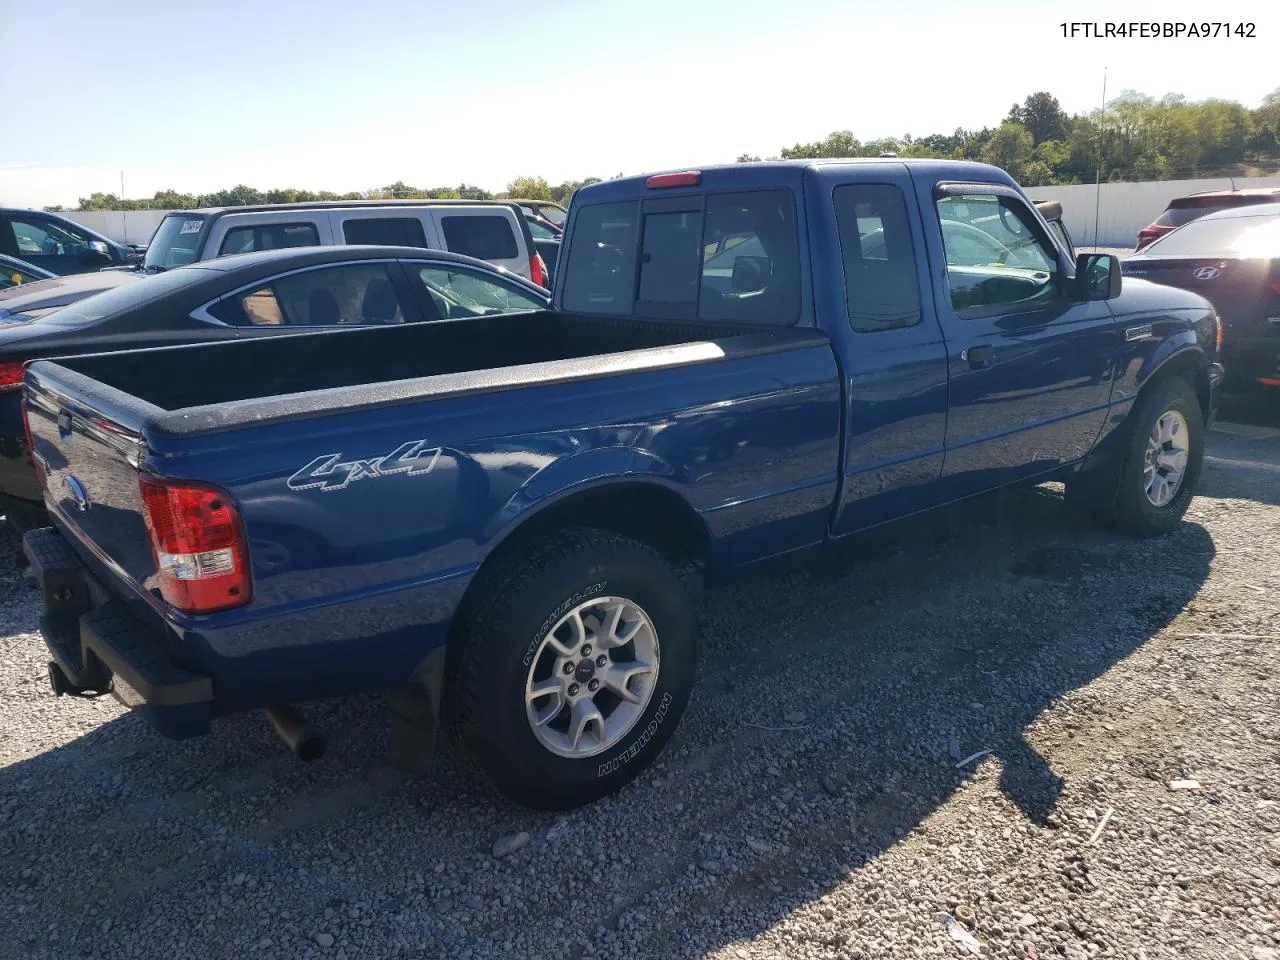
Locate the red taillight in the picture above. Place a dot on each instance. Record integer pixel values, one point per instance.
(689, 178)
(1275, 288)
(199, 545)
(36, 463)
(538, 270)
(11, 375)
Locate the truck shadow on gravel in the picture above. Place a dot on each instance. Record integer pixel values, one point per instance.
(835, 701)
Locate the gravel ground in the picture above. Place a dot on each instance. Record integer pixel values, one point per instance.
(812, 803)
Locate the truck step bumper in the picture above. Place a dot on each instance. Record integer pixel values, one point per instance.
(99, 645)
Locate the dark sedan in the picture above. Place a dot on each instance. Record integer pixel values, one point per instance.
(290, 291)
(1232, 258)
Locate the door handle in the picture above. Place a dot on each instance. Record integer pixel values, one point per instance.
(979, 356)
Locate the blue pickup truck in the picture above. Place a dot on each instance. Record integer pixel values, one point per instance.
(500, 521)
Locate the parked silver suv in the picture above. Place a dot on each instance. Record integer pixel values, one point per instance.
(495, 231)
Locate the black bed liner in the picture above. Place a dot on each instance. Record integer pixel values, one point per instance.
(197, 389)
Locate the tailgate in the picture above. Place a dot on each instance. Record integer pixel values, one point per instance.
(88, 444)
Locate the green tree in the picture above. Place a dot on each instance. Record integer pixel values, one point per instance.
(842, 143)
(1265, 141)
(529, 188)
(1009, 148)
(172, 200)
(1043, 117)
(467, 191)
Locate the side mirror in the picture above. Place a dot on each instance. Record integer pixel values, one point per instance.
(99, 249)
(1097, 276)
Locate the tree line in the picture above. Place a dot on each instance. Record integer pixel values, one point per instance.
(523, 188)
(1134, 138)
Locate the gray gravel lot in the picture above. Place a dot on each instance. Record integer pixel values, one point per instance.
(810, 804)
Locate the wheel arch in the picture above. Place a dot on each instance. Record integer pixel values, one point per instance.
(1188, 362)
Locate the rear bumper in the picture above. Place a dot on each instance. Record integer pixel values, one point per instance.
(100, 646)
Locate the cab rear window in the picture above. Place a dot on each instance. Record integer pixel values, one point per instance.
(728, 257)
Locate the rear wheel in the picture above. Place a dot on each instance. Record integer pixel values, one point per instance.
(572, 668)
(1148, 488)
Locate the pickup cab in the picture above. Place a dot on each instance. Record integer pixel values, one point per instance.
(501, 521)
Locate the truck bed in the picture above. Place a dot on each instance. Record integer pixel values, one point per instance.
(223, 385)
(704, 409)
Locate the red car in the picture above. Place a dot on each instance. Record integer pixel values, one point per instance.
(1185, 209)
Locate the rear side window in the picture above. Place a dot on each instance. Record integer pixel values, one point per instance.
(273, 236)
(352, 294)
(392, 231)
(1177, 216)
(601, 260)
(881, 288)
(731, 257)
(483, 237)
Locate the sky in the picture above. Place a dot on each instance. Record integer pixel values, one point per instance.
(349, 96)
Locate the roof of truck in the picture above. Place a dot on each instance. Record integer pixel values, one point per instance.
(729, 176)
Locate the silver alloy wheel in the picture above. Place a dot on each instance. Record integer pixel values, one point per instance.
(1166, 459)
(592, 677)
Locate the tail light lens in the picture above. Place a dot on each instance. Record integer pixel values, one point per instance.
(199, 545)
(10, 375)
(36, 462)
(663, 181)
(538, 270)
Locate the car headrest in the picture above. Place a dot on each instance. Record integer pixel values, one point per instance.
(322, 308)
(751, 273)
(380, 303)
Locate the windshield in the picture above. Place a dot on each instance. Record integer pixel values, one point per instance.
(12, 275)
(175, 242)
(1249, 236)
(539, 230)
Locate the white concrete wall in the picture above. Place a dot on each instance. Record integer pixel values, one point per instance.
(123, 226)
(1126, 208)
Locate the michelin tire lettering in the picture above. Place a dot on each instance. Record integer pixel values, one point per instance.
(559, 612)
(330, 472)
(642, 741)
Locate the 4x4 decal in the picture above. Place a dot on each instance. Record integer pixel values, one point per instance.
(330, 472)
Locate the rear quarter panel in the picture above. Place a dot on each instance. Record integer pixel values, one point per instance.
(357, 577)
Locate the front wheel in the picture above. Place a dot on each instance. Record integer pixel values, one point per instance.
(1151, 485)
(572, 668)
